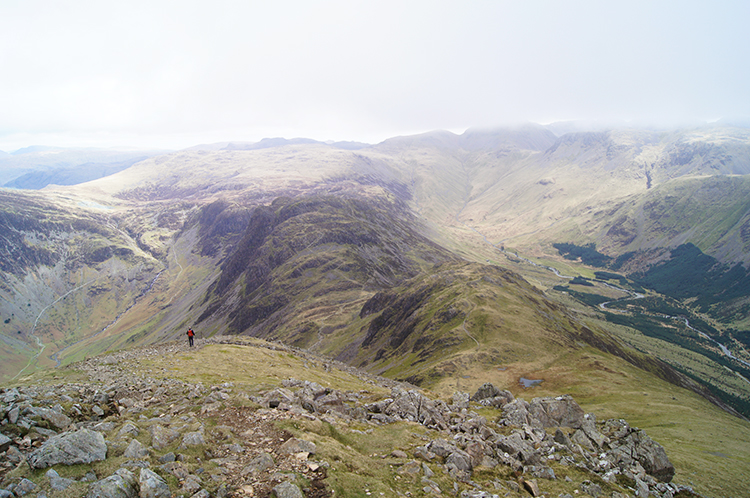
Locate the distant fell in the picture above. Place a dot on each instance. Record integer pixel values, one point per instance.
(267, 143)
(37, 166)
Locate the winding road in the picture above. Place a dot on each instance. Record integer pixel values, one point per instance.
(633, 296)
(722, 347)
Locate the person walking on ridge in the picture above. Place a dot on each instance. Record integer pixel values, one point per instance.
(190, 335)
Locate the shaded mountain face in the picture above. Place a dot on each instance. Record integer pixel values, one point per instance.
(354, 276)
(376, 256)
(298, 253)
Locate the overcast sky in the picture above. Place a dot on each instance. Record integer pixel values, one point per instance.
(174, 74)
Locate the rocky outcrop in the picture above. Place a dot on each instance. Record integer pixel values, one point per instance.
(489, 395)
(157, 431)
(561, 411)
(629, 446)
(608, 449)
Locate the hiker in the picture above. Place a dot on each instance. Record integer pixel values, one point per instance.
(190, 335)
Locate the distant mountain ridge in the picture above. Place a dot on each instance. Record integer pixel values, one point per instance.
(277, 142)
(37, 166)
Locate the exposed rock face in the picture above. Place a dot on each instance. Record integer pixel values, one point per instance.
(83, 446)
(411, 405)
(560, 411)
(517, 413)
(490, 395)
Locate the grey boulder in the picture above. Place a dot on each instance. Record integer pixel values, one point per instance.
(649, 454)
(70, 448)
(58, 483)
(560, 411)
(161, 436)
(152, 485)
(193, 439)
(295, 445)
(4, 442)
(287, 490)
(24, 487)
(136, 450)
(489, 395)
(57, 419)
(121, 484)
(259, 464)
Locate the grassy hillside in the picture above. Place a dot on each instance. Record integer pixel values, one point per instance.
(713, 213)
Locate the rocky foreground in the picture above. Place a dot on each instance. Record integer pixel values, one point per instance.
(124, 434)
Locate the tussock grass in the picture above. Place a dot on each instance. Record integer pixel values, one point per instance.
(360, 458)
(254, 367)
